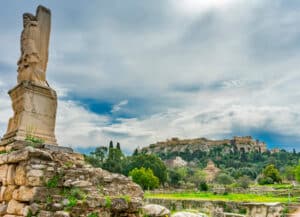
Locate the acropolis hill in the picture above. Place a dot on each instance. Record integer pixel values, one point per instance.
(247, 144)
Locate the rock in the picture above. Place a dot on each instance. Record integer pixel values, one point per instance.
(44, 213)
(26, 194)
(15, 207)
(3, 173)
(61, 214)
(176, 162)
(34, 208)
(11, 173)
(153, 210)
(77, 183)
(3, 208)
(20, 177)
(17, 156)
(7, 192)
(119, 204)
(188, 214)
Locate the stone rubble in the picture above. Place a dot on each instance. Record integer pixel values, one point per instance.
(44, 181)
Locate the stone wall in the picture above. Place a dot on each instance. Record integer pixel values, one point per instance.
(249, 209)
(53, 181)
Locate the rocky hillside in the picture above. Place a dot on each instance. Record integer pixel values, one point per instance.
(175, 145)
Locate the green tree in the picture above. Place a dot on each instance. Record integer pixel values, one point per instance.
(297, 172)
(244, 182)
(272, 172)
(97, 157)
(147, 161)
(289, 173)
(100, 153)
(224, 179)
(118, 146)
(114, 160)
(145, 178)
(136, 152)
(174, 177)
(198, 177)
(111, 144)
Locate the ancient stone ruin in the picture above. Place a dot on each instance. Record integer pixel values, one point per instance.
(38, 177)
(34, 102)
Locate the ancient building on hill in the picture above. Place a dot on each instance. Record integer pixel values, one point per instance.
(246, 144)
(211, 171)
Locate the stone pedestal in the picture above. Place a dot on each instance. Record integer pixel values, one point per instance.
(34, 109)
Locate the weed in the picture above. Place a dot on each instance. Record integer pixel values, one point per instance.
(107, 202)
(100, 189)
(93, 214)
(49, 199)
(68, 164)
(127, 198)
(33, 141)
(29, 214)
(53, 182)
(72, 201)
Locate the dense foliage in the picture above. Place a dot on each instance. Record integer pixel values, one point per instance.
(238, 168)
(240, 163)
(113, 160)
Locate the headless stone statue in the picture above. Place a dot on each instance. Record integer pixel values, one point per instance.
(34, 102)
(35, 36)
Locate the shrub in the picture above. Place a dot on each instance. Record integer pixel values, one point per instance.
(53, 182)
(244, 182)
(224, 179)
(297, 173)
(145, 178)
(265, 181)
(203, 186)
(272, 172)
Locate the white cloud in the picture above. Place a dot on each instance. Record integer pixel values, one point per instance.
(196, 7)
(119, 106)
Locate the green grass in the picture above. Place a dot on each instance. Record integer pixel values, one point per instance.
(213, 197)
(276, 186)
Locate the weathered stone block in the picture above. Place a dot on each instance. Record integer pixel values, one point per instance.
(3, 173)
(6, 192)
(61, 214)
(20, 176)
(17, 156)
(44, 213)
(3, 158)
(24, 194)
(15, 207)
(11, 173)
(3, 208)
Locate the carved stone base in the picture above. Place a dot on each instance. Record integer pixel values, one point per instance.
(34, 109)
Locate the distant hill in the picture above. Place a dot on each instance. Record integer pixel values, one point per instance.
(175, 145)
(237, 156)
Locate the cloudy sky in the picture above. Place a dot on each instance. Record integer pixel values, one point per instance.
(141, 71)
